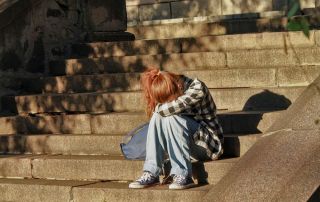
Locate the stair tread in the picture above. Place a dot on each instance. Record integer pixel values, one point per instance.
(94, 158)
(139, 92)
(87, 184)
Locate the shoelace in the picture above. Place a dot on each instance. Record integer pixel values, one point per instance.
(179, 179)
(146, 176)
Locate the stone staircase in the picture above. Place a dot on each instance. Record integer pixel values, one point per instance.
(60, 141)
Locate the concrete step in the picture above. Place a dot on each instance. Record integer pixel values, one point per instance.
(241, 122)
(226, 99)
(89, 167)
(220, 78)
(188, 61)
(265, 40)
(164, 29)
(71, 144)
(39, 190)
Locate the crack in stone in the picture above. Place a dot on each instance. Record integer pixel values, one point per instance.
(71, 199)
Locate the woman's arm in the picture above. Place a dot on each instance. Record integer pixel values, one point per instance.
(191, 96)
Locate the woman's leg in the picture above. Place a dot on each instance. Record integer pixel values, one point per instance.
(155, 146)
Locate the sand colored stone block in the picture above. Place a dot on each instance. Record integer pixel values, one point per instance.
(12, 125)
(15, 166)
(103, 144)
(132, 13)
(36, 190)
(77, 124)
(171, 62)
(257, 58)
(177, 30)
(114, 191)
(266, 165)
(77, 167)
(230, 7)
(230, 99)
(77, 144)
(307, 103)
(297, 76)
(182, 9)
(131, 81)
(287, 40)
(154, 11)
(106, 16)
(307, 3)
(114, 123)
(317, 37)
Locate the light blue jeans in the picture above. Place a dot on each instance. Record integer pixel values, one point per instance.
(172, 135)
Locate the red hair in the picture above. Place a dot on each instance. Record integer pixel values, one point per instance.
(159, 87)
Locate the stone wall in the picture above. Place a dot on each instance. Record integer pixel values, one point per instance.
(144, 10)
(33, 32)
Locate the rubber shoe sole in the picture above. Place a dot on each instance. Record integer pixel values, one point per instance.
(137, 185)
(179, 187)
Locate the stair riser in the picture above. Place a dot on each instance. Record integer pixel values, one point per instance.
(228, 78)
(121, 124)
(203, 29)
(81, 191)
(95, 145)
(189, 61)
(98, 169)
(146, 195)
(187, 45)
(230, 99)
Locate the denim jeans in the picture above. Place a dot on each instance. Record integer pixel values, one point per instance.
(172, 135)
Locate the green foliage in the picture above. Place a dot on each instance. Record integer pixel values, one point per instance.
(297, 23)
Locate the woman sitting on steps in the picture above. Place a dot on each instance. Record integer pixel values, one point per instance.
(183, 124)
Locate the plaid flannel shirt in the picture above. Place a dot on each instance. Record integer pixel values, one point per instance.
(198, 103)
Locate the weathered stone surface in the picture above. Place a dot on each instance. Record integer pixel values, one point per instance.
(56, 124)
(11, 125)
(108, 168)
(104, 144)
(116, 123)
(61, 144)
(264, 173)
(287, 40)
(15, 166)
(225, 99)
(182, 9)
(304, 183)
(132, 13)
(170, 62)
(137, 47)
(176, 30)
(154, 12)
(299, 76)
(304, 114)
(112, 191)
(256, 58)
(256, 176)
(220, 78)
(317, 38)
(238, 145)
(107, 15)
(36, 190)
(307, 3)
(283, 40)
(243, 122)
(239, 6)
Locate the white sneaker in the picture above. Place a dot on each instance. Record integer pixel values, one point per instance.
(146, 180)
(181, 182)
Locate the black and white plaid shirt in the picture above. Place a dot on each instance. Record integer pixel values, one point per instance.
(198, 103)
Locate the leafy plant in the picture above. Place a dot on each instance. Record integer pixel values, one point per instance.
(297, 23)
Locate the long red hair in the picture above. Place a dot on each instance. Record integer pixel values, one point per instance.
(159, 87)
